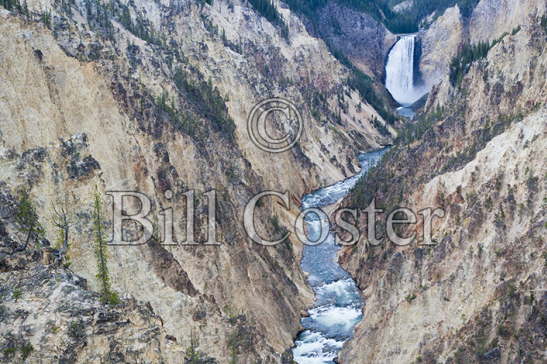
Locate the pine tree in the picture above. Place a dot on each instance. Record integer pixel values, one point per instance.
(101, 253)
(27, 219)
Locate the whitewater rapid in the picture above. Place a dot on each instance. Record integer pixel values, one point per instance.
(338, 305)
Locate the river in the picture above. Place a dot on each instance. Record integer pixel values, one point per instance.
(338, 305)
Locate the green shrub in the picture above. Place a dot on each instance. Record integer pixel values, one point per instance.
(46, 19)
(17, 294)
(10, 352)
(26, 350)
(76, 329)
(411, 297)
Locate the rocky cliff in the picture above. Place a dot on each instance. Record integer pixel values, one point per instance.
(361, 38)
(49, 315)
(448, 32)
(476, 295)
(153, 96)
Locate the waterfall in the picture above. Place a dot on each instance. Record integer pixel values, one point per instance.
(400, 72)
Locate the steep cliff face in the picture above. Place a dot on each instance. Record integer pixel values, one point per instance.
(487, 22)
(490, 18)
(49, 315)
(153, 97)
(439, 43)
(362, 39)
(477, 295)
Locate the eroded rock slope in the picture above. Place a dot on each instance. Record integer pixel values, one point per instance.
(477, 295)
(153, 96)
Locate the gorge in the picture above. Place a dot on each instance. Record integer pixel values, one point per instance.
(337, 304)
(417, 104)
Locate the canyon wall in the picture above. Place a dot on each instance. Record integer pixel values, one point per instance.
(488, 21)
(477, 294)
(439, 43)
(361, 38)
(153, 96)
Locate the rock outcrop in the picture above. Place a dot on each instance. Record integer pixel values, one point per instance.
(439, 44)
(48, 315)
(489, 20)
(362, 39)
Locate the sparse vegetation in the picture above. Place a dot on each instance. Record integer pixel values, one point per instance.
(101, 253)
(27, 219)
(267, 9)
(380, 127)
(414, 131)
(461, 63)
(182, 121)
(411, 297)
(101, 14)
(207, 100)
(364, 85)
(76, 330)
(26, 350)
(358, 80)
(194, 356)
(407, 21)
(375, 179)
(16, 294)
(242, 339)
(9, 352)
(470, 53)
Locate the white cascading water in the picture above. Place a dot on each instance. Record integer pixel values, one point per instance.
(400, 72)
(338, 306)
